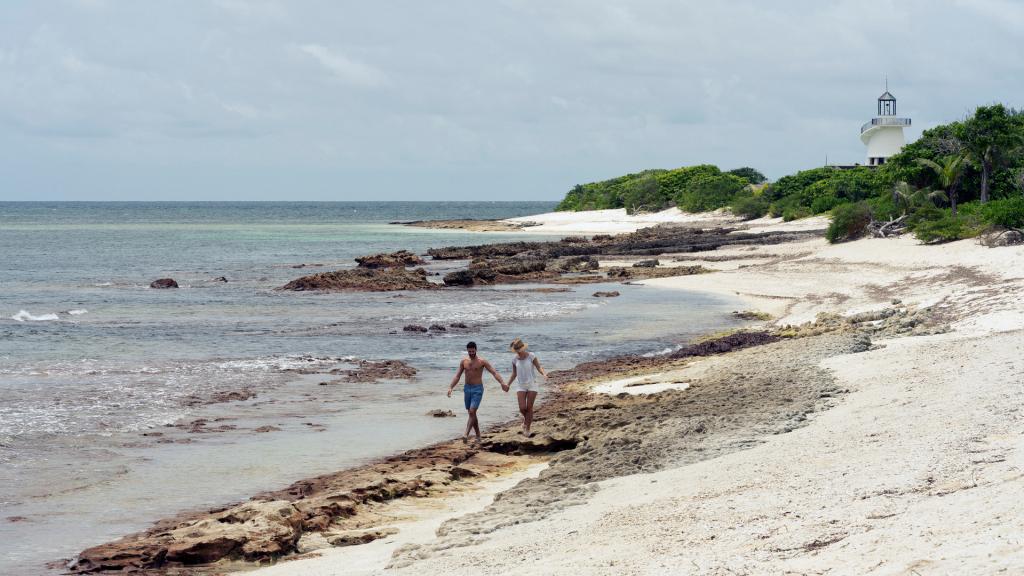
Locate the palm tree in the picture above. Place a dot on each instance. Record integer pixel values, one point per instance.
(948, 170)
(911, 198)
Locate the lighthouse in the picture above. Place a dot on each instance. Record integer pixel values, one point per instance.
(883, 134)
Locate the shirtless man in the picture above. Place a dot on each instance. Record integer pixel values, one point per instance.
(474, 366)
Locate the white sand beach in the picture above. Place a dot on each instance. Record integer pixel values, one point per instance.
(610, 221)
(916, 470)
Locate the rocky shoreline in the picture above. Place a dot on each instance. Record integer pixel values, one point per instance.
(583, 437)
(571, 260)
(764, 383)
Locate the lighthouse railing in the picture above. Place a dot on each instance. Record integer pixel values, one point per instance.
(884, 121)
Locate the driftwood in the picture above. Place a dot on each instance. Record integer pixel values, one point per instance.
(893, 227)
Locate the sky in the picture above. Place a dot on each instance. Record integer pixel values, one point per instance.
(464, 100)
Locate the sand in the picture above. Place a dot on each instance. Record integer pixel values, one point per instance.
(908, 462)
(611, 221)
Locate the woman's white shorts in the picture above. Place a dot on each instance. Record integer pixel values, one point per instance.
(527, 387)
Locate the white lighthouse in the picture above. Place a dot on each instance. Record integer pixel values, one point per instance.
(883, 135)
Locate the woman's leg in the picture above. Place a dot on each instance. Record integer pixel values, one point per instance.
(521, 397)
(530, 397)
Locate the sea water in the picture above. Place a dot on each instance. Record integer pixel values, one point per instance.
(101, 376)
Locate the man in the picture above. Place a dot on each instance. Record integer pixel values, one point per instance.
(473, 366)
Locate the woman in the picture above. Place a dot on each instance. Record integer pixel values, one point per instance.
(524, 368)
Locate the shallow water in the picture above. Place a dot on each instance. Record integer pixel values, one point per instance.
(96, 369)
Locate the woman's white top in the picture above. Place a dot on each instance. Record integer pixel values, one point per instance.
(524, 368)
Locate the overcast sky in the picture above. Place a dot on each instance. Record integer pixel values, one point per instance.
(502, 100)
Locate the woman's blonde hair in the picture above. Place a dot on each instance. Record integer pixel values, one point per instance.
(518, 345)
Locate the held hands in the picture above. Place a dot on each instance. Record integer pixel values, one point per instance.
(504, 387)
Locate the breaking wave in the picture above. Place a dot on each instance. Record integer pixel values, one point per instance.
(24, 315)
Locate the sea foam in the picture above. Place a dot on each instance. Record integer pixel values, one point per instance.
(23, 315)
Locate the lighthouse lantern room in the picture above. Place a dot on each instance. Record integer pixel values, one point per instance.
(883, 134)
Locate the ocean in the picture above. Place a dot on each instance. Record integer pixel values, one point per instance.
(115, 399)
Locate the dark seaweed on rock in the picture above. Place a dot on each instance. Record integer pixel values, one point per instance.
(735, 341)
(363, 279)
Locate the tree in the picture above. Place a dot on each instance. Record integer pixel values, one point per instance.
(988, 138)
(749, 174)
(644, 194)
(912, 198)
(948, 170)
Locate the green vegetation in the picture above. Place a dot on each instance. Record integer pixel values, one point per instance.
(699, 188)
(956, 181)
(849, 222)
(749, 204)
(749, 174)
(710, 192)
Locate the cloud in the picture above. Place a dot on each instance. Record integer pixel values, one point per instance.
(417, 100)
(344, 68)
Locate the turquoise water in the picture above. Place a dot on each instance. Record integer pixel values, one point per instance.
(96, 368)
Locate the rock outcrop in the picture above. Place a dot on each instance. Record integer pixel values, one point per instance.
(254, 531)
(400, 259)
(620, 273)
(163, 283)
(500, 271)
(653, 241)
(576, 264)
(374, 370)
(547, 261)
(363, 280)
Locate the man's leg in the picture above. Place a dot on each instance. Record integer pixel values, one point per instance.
(475, 423)
(469, 422)
(528, 416)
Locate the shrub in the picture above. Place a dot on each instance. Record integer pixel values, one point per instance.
(821, 189)
(710, 192)
(933, 225)
(795, 183)
(849, 222)
(883, 208)
(749, 206)
(1008, 213)
(791, 213)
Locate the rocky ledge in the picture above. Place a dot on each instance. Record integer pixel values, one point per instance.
(274, 524)
(574, 260)
(653, 241)
(363, 279)
(400, 259)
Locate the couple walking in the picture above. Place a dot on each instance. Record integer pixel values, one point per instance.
(525, 367)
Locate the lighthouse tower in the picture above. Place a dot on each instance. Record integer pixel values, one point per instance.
(883, 134)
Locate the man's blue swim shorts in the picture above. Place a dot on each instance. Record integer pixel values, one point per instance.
(473, 395)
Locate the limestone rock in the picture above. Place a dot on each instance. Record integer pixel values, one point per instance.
(399, 259)
(363, 280)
